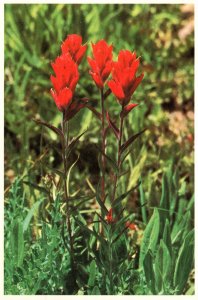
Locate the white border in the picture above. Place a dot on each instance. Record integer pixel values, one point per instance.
(102, 2)
(2, 134)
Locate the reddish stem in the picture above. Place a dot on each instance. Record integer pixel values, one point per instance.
(103, 148)
(119, 157)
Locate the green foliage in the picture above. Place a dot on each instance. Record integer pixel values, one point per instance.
(168, 263)
(151, 235)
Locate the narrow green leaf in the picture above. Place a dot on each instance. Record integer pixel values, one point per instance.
(37, 187)
(164, 201)
(92, 274)
(92, 232)
(150, 237)
(163, 274)
(149, 271)
(100, 202)
(109, 160)
(96, 113)
(30, 214)
(53, 128)
(73, 142)
(142, 201)
(17, 242)
(68, 174)
(167, 236)
(96, 291)
(131, 140)
(184, 262)
(123, 196)
(113, 126)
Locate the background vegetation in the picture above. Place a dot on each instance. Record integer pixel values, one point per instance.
(163, 36)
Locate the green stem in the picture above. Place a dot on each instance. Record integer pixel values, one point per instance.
(65, 142)
(111, 263)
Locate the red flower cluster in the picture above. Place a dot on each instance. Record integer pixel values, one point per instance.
(64, 83)
(101, 64)
(66, 75)
(124, 81)
(73, 46)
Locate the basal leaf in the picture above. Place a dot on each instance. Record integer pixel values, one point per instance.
(17, 242)
(184, 262)
(149, 271)
(150, 237)
(163, 274)
(92, 274)
(167, 236)
(30, 214)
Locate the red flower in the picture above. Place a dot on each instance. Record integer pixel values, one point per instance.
(190, 137)
(124, 81)
(109, 217)
(73, 46)
(131, 226)
(101, 64)
(64, 83)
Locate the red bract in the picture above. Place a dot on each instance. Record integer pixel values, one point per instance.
(64, 83)
(73, 46)
(124, 81)
(128, 108)
(109, 217)
(131, 226)
(101, 64)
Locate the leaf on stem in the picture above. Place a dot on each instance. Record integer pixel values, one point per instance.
(53, 128)
(123, 196)
(131, 140)
(107, 93)
(92, 232)
(56, 171)
(98, 199)
(73, 142)
(68, 173)
(75, 208)
(113, 126)
(37, 187)
(109, 159)
(96, 113)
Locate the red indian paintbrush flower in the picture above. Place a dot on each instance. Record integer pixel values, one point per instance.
(64, 83)
(124, 81)
(101, 64)
(73, 46)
